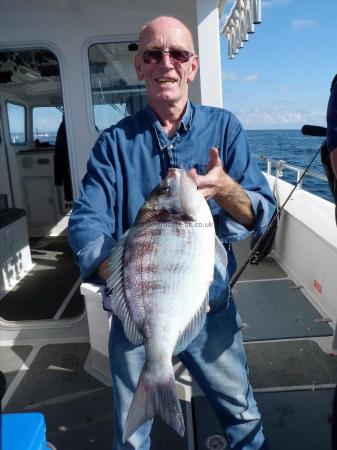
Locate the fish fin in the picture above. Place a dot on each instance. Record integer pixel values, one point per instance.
(190, 204)
(221, 259)
(152, 398)
(116, 290)
(192, 328)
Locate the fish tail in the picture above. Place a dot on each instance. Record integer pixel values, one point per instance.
(154, 397)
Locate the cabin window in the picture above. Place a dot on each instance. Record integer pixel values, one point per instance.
(116, 90)
(46, 122)
(17, 123)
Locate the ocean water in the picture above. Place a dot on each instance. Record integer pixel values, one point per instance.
(294, 148)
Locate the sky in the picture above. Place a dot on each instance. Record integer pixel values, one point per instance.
(281, 78)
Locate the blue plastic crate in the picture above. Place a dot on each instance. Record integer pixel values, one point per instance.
(23, 431)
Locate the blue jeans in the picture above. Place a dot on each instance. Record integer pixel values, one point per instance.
(217, 361)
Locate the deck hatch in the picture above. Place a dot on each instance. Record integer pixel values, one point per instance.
(274, 309)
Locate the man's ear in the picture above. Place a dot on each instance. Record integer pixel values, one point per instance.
(138, 67)
(194, 68)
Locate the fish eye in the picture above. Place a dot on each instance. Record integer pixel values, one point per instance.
(165, 189)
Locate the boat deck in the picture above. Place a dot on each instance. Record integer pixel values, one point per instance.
(286, 341)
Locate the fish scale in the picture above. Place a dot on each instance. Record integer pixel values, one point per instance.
(164, 282)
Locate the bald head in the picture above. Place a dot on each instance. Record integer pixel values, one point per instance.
(166, 75)
(164, 23)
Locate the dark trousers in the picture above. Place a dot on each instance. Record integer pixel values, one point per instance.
(334, 422)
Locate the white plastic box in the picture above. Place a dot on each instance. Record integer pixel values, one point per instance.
(15, 257)
(99, 322)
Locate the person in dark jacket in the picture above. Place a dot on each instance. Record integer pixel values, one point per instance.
(329, 147)
(331, 119)
(329, 159)
(61, 162)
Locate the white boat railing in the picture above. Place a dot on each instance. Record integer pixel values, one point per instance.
(280, 165)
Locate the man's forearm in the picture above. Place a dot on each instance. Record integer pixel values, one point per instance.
(233, 199)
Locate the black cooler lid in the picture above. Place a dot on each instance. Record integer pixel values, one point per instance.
(10, 215)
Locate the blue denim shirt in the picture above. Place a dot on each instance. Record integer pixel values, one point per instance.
(130, 159)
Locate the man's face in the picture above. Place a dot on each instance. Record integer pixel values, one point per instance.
(166, 81)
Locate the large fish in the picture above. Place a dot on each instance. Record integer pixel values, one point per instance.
(160, 274)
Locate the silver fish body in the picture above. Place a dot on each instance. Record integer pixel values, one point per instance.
(161, 272)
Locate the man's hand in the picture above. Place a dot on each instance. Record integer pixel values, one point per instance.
(333, 158)
(103, 270)
(210, 183)
(226, 192)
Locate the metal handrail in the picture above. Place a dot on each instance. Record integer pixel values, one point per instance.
(280, 165)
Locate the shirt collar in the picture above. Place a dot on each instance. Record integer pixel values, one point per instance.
(185, 124)
(187, 118)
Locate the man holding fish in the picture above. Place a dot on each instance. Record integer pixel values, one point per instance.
(143, 225)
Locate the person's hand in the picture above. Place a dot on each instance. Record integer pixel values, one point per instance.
(225, 190)
(333, 158)
(103, 270)
(210, 184)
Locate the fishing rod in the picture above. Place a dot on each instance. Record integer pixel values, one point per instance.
(309, 130)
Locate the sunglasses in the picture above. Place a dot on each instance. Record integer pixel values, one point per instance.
(176, 56)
